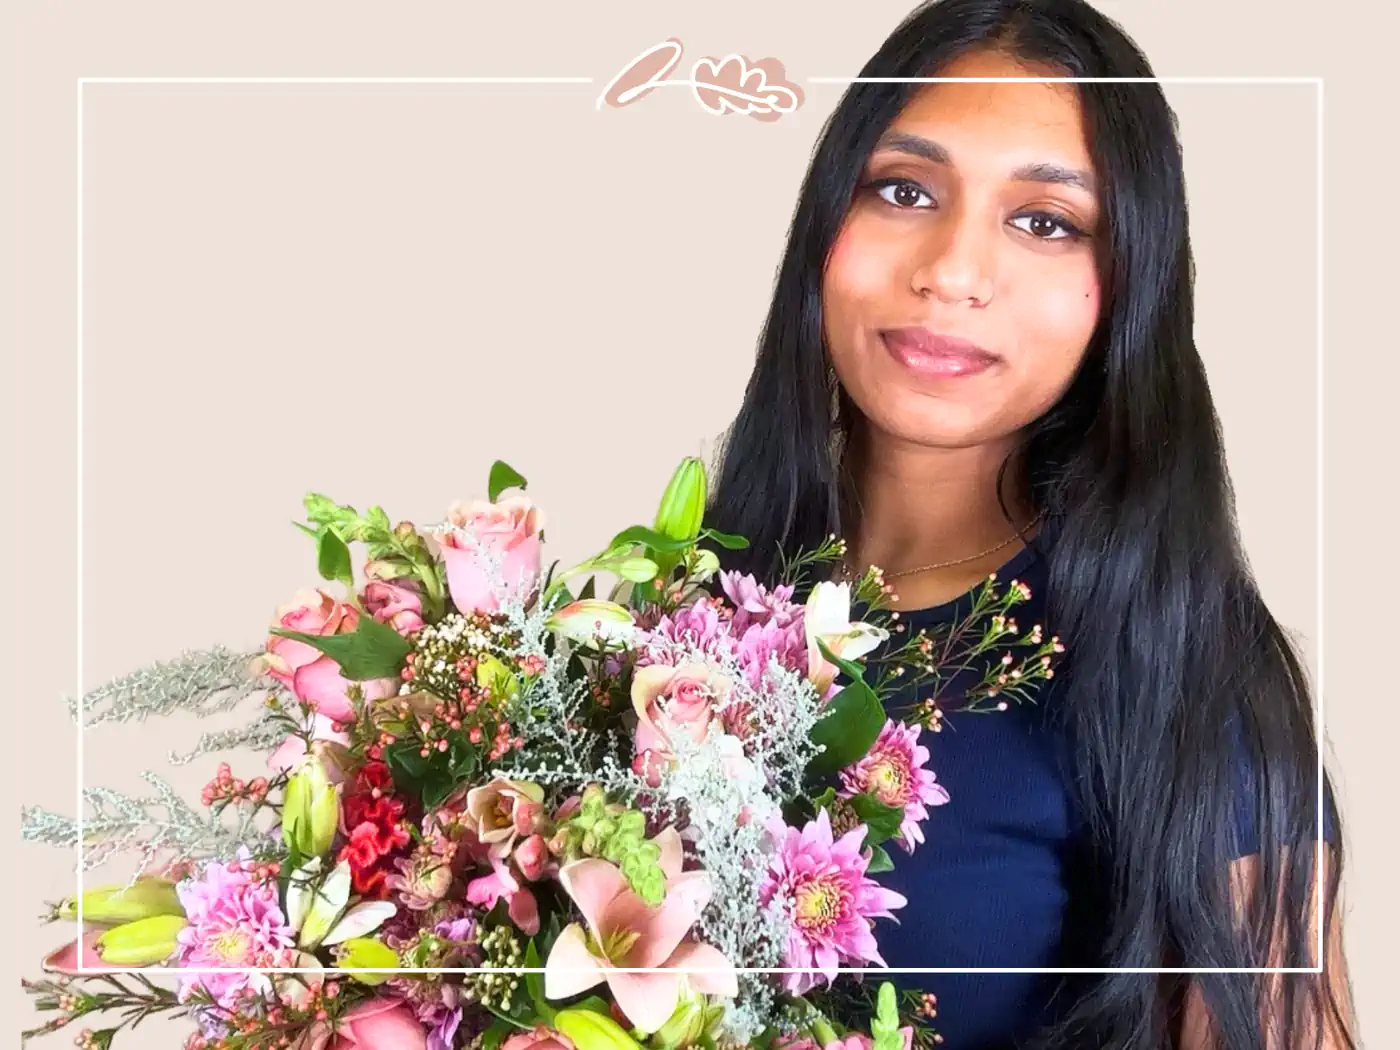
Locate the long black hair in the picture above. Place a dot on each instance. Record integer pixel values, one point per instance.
(1173, 654)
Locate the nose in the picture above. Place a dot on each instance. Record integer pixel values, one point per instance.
(956, 262)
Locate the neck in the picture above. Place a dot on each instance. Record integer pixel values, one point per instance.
(919, 505)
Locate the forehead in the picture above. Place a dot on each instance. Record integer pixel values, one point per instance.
(999, 125)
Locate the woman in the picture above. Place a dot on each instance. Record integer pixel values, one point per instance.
(979, 357)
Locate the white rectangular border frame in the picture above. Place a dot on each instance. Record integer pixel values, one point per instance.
(1318, 690)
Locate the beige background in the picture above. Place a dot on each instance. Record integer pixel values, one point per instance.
(374, 290)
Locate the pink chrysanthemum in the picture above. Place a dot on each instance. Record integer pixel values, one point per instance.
(755, 603)
(702, 626)
(834, 901)
(234, 920)
(893, 772)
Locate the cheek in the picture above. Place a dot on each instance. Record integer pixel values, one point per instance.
(1061, 316)
(857, 276)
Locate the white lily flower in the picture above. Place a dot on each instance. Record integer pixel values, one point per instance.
(327, 902)
(300, 889)
(363, 918)
(827, 618)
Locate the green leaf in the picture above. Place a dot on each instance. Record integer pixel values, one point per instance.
(879, 861)
(589, 588)
(333, 557)
(534, 983)
(640, 534)
(378, 520)
(402, 756)
(852, 720)
(437, 785)
(503, 476)
(372, 650)
(315, 534)
(882, 820)
(727, 540)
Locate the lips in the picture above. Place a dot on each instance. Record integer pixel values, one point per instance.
(926, 353)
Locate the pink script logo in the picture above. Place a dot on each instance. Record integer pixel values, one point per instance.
(732, 84)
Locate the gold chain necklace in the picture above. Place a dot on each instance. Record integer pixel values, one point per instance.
(844, 571)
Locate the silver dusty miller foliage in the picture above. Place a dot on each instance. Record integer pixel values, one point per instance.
(200, 683)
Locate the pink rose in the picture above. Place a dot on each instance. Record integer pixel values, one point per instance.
(395, 602)
(541, 1037)
(380, 1024)
(310, 612)
(508, 529)
(688, 694)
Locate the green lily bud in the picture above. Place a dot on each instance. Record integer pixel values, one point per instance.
(140, 943)
(593, 1031)
(119, 902)
(683, 503)
(310, 809)
(368, 953)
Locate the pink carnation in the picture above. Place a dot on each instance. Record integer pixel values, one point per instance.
(833, 900)
(893, 772)
(234, 920)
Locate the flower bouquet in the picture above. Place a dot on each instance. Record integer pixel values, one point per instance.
(501, 813)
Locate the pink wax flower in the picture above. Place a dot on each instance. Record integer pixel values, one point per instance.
(234, 920)
(893, 772)
(510, 530)
(834, 900)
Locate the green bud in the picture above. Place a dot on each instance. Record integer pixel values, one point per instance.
(593, 1031)
(368, 953)
(310, 809)
(686, 1025)
(119, 902)
(140, 943)
(683, 503)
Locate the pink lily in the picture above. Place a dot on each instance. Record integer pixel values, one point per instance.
(624, 931)
(70, 960)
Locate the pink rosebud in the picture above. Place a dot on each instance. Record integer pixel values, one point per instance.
(395, 602)
(532, 857)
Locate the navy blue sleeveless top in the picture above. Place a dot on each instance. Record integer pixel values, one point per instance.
(1002, 878)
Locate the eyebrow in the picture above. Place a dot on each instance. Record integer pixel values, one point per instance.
(1037, 171)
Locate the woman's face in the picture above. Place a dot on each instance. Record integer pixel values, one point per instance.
(971, 229)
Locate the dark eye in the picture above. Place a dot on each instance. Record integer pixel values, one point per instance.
(1043, 222)
(901, 193)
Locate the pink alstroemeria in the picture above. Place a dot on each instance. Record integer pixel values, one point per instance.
(625, 931)
(521, 905)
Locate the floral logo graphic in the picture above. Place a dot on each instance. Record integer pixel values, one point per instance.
(733, 84)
